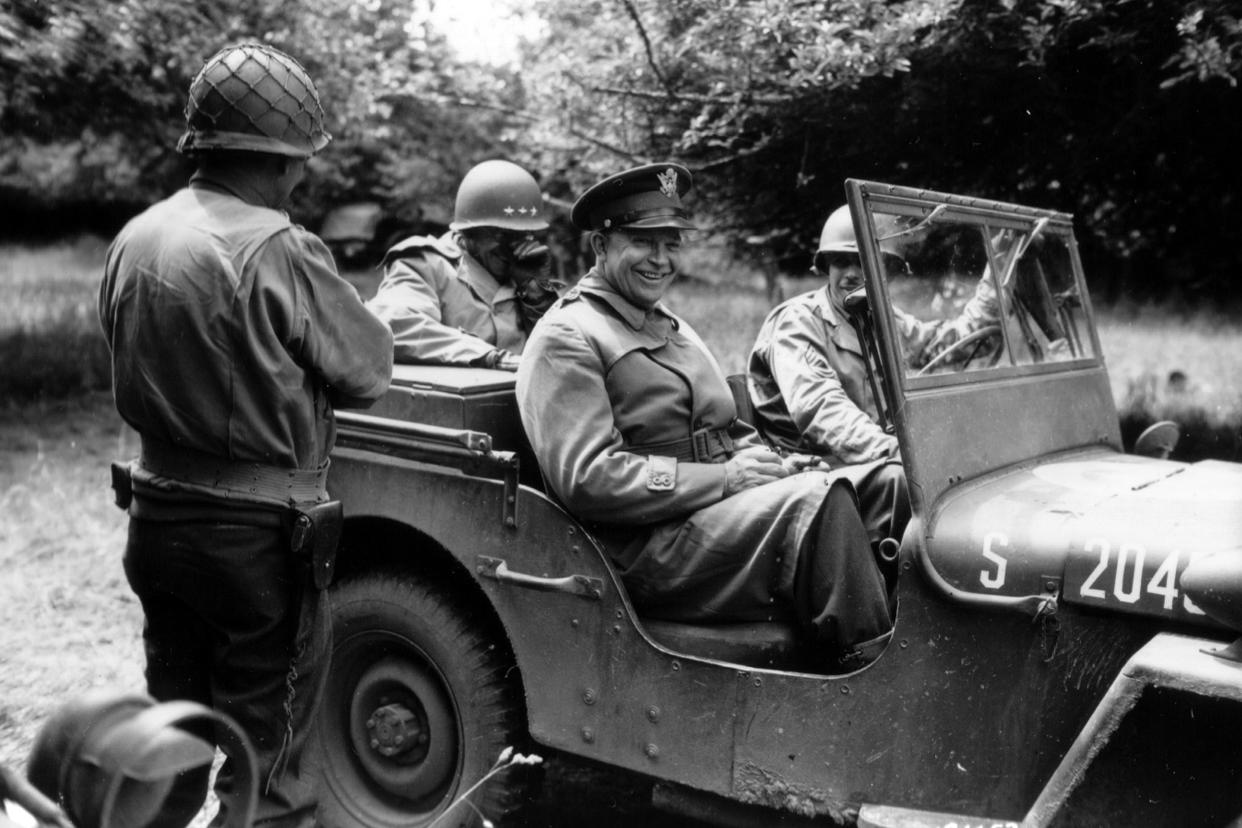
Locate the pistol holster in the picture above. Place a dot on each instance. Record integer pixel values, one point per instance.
(316, 534)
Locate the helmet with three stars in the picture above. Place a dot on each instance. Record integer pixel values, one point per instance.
(499, 194)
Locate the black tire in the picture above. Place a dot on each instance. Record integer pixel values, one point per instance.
(419, 703)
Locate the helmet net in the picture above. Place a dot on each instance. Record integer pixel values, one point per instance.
(254, 97)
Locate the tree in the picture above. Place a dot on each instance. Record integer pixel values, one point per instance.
(1125, 113)
(91, 106)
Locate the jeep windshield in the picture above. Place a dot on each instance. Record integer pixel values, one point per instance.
(981, 334)
(984, 293)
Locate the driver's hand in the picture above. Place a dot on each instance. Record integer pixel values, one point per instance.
(750, 468)
(942, 341)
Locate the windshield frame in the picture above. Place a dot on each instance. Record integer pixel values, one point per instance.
(869, 198)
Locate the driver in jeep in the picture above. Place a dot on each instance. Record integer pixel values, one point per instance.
(807, 372)
(636, 432)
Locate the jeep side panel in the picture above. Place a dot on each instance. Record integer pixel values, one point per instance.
(960, 713)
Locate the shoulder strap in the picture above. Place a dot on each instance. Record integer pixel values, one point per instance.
(443, 246)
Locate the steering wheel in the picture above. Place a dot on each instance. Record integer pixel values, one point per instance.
(972, 338)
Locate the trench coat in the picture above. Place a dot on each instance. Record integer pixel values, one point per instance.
(601, 382)
(444, 307)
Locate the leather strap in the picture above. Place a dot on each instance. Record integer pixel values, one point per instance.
(707, 445)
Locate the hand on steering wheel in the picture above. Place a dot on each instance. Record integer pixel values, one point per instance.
(973, 338)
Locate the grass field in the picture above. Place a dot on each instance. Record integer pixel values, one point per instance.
(70, 622)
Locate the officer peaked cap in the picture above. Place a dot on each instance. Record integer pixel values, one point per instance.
(640, 198)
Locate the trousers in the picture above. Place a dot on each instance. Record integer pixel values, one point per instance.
(795, 548)
(221, 604)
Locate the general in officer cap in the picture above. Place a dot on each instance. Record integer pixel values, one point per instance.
(646, 197)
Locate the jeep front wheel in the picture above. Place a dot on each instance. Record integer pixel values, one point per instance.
(417, 706)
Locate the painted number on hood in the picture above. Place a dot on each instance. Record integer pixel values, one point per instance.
(1123, 577)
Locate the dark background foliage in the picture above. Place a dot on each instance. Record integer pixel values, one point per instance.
(1126, 113)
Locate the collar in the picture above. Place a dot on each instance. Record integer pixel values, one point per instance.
(634, 316)
(843, 334)
(823, 305)
(200, 181)
(481, 281)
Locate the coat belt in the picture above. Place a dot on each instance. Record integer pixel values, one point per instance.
(706, 445)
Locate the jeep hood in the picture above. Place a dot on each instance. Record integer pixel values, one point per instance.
(1102, 528)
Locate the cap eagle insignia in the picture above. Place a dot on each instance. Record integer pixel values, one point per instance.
(668, 183)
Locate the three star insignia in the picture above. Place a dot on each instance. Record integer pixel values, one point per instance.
(521, 211)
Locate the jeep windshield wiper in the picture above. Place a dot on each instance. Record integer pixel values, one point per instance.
(930, 218)
(1020, 248)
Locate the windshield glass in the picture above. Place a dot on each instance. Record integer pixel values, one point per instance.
(982, 293)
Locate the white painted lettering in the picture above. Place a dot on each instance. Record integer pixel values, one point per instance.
(994, 580)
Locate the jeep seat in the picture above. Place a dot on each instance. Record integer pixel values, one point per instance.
(754, 644)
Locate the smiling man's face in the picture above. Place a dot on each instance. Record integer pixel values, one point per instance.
(639, 264)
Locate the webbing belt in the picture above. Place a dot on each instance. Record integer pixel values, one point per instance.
(707, 445)
(196, 471)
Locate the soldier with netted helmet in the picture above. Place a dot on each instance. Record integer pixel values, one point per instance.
(472, 296)
(232, 337)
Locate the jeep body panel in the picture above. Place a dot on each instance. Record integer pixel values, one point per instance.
(1110, 530)
(992, 706)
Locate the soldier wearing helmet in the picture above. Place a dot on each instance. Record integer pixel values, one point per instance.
(808, 377)
(472, 296)
(636, 431)
(232, 336)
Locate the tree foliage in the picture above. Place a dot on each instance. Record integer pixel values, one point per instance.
(93, 95)
(1125, 112)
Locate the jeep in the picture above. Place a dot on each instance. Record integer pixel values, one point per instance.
(1066, 648)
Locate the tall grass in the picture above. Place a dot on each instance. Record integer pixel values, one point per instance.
(50, 341)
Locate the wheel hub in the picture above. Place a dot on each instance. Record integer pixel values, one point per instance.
(403, 728)
(395, 729)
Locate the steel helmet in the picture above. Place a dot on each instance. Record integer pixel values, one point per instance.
(838, 233)
(838, 237)
(499, 194)
(253, 97)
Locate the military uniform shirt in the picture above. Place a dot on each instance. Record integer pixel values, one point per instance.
(808, 376)
(444, 307)
(230, 330)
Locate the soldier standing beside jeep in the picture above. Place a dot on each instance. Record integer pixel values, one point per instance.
(232, 336)
(472, 296)
(636, 431)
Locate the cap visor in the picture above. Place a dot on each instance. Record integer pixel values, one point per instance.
(659, 222)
